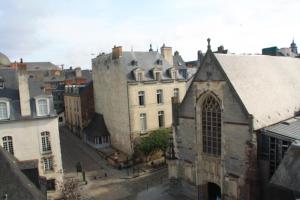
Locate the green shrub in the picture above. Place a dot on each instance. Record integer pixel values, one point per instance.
(157, 140)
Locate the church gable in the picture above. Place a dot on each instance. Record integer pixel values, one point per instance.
(210, 76)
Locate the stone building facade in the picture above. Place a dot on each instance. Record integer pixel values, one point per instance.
(79, 107)
(29, 127)
(218, 131)
(133, 92)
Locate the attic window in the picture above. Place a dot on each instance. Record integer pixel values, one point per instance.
(139, 76)
(159, 62)
(134, 63)
(157, 76)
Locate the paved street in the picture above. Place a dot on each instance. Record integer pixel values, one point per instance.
(117, 185)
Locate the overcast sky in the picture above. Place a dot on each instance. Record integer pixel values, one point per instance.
(69, 32)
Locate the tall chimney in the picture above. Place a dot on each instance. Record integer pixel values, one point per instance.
(166, 52)
(116, 52)
(23, 89)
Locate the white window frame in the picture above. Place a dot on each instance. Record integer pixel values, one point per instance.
(48, 164)
(159, 100)
(141, 94)
(161, 114)
(7, 109)
(8, 145)
(174, 74)
(143, 122)
(38, 107)
(139, 74)
(46, 142)
(157, 75)
(176, 92)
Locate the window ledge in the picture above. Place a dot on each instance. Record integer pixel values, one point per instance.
(46, 152)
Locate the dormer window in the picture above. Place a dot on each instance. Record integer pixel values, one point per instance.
(173, 73)
(134, 63)
(4, 110)
(159, 62)
(42, 105)
(139, 74)
(157, 76)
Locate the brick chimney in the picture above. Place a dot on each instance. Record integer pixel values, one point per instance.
(166, 52)
(116, 52)
(23, 89)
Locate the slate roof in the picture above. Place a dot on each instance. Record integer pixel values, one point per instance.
(40, 66)
(11, 91)
(145, 61)
(97, 127)
(268, 86)
(13, 182)
(69, 74)
(287, 174)
(289, 128)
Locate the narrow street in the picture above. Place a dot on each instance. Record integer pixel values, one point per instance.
(117, 185)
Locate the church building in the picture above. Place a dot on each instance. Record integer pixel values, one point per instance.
(235, 126)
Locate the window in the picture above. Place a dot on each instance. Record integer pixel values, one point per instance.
(143, 121)
(174, 74)
(141, 98)
(1, 84)
(159, 96)
(161, 119)
(176, 92)
(139, 76)
(4, 112)
(8, 144)
(46, 146)
(98, 140)
(43, 107)
(211, 126)
(48, 164)
(157, 76)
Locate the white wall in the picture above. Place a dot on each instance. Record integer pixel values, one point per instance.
(27, 142)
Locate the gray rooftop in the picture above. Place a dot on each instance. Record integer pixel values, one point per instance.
(145, 61)
(97, 127)
(268, 86)
(41, 66)
(289, 128)
(11, 91)
(13, 182)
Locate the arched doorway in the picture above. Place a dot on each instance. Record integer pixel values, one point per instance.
(214, 191)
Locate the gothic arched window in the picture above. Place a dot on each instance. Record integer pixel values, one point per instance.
(211, 126)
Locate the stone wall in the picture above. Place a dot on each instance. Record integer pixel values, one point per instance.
(111, 100)
(151, 107)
